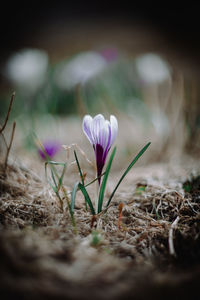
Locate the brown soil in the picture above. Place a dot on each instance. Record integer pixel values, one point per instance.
(155, 253)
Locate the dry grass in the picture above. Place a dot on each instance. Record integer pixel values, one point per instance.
(42, 257)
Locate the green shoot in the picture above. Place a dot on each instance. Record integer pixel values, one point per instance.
(96, 238)
(140, 189)
(127, 170)
(79, 168)
(87, 197)
(103, 185)
(55, 186)
(81, 174)
(74, 191)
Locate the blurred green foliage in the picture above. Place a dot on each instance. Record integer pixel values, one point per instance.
(115, 87)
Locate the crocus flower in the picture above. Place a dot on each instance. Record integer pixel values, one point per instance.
(51, 148)
(101, 134)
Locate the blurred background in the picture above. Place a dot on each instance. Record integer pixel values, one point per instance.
(138, 62)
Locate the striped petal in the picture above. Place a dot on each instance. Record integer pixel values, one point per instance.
(87, 124)
(105, 134)
(114, 129)
(97, 129)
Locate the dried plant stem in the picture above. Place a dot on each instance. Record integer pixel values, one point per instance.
(8, 113)
(4, 139)
(9, 146)
(68, 148)
(170, 240)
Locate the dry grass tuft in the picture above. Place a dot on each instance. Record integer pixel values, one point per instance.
(25, 200)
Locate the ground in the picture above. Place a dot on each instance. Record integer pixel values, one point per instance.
(145, 245)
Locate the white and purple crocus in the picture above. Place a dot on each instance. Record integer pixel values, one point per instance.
(101, 133)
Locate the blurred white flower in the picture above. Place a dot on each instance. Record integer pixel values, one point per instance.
(79, 70)
(152, 68)
(27, 68)
(160, 123)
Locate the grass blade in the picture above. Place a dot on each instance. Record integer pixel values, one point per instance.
(51, 162)
(103, 185)
(54, 172)
(59, 185)
(56, 187)
(45, 168)
(79, 168)
(53, 187)
(127, 170)
(61, 177)
(74, 191)
(54, 180)
(87, 197)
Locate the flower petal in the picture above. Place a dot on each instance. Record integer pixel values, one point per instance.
(114, 129)
(107, 145)
(104, 134)
(97, 128)
(50, 147)
(99, 160)
(86, 125)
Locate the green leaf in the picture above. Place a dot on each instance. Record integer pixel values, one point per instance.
(140, 189)
(61, 177)
(103, 185)
(79, 168)
(187, 187)
(56, 187)
(53, 187)
(96, 238)
(54, 173)
(74, 191)
(51, 162)
(45, 168)
(54, 180)
(87, 197)
(127, 170)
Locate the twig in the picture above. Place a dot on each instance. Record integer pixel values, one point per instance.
(4, 139)
(67, 148)
(9, 146)
(8, 113)
(170, 239)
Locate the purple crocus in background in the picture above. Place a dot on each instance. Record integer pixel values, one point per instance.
(101, 133)
(51, 148)
(110, 54)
